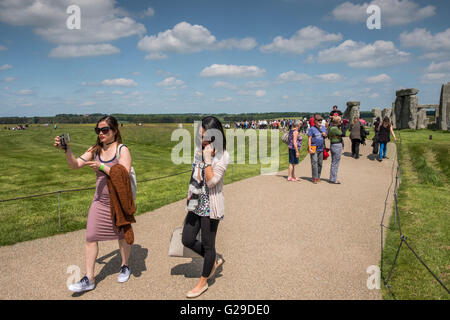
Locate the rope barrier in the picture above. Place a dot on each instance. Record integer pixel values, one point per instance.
(85, 189)
(403, 238)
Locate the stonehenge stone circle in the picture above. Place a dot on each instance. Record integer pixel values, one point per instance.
(376, 113)
(405, 108)
(443, 116)
(352, 110)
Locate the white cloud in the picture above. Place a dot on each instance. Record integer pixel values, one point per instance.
(437, 72)
(422, 38)
(256, 93)
(291, 76)
(260, 93)
(436, 77)
(393, 12)
(25, 92)
(330, 77)
(187, 38)
(223, 70)
(136, 73)
(87, 50)
(304, 39)
(171, 82)
(379, 78)
(226, 99)
(374, 95)
(87, 104)
(149, 12)
(223, 84)
(9, 79)
(29, 104)
(360, 55)
(257, 84)
(183, 38)
(285, 97)
(155, 56)
(119, 82)
(242, 44)
(101, 21)
(3, 48)
(118, 92)
(199, 94)
(434, 67)
(6, 67)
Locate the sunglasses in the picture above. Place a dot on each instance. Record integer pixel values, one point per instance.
(104, 130)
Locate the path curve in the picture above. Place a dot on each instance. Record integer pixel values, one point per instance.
(279, 239)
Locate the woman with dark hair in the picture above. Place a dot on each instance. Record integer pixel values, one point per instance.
(384, 136)
(100, 227)
(205, 201)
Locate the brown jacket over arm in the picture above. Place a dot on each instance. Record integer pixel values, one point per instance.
(121, 200)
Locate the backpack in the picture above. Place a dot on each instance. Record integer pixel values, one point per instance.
(132, 174)
(285, 138)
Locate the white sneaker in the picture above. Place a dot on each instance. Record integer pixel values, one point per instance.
(83, 285)
(124, 274)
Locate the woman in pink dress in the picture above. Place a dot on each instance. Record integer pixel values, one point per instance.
(100, 227)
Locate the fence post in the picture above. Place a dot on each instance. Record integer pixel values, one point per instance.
(59, 210)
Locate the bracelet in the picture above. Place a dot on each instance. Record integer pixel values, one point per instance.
(102, 166)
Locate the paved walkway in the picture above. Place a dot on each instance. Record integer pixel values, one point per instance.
(279, 239)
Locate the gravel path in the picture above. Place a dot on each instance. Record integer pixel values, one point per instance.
(279, 240)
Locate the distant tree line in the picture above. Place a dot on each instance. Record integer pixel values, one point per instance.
(162, 118)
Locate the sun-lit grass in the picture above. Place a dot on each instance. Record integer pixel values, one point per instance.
(424, 211)
(29, 165)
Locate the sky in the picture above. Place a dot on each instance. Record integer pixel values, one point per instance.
(217, 56)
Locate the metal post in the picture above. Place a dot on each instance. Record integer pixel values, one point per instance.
(59, 210)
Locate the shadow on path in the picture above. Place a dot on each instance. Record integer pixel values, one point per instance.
(138, 255)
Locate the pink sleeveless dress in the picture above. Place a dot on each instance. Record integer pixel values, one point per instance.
(100, 226)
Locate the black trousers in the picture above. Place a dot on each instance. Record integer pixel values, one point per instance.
(355, 147)
(207, 247)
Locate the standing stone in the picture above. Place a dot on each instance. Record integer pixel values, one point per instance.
(180, 126)
(376, 113)
(444, 106)
(393, 119)
(406, 107)
(352, 110)
(386, 113)
(422, 120)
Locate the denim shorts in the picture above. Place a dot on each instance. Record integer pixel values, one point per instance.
(292, 157)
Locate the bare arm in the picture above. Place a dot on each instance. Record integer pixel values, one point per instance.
(393, 134)
(294, 138)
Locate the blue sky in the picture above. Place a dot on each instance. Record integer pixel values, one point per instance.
(211, 56)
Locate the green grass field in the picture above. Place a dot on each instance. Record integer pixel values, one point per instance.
(29, 165)
(424, 211)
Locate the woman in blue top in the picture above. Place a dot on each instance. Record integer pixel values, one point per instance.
(295, 143)
(316, 143)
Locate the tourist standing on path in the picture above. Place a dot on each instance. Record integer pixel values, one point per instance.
(295, 143)
(205, 202)
(384, 136)
(335, 112)
(336, 146)
(316, 143)
(355, 136)
(100, 227)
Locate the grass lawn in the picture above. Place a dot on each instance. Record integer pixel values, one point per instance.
(29, 165)
(424, 211)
